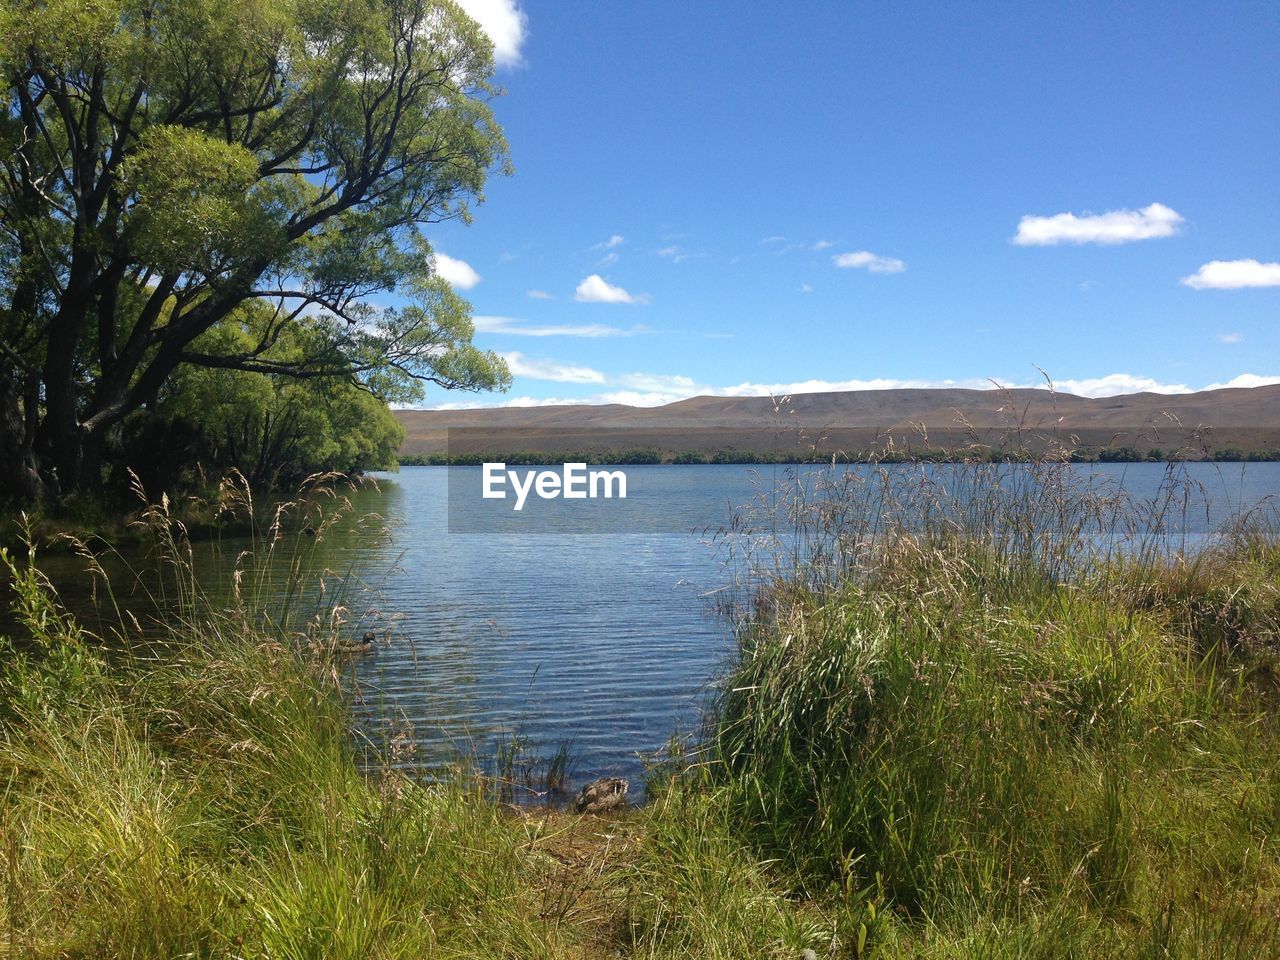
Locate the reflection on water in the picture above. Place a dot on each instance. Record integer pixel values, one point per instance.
(607, 643)
(603, 642)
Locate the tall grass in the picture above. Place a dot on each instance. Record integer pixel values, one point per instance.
(1011, 706)
(209, 803)
(990, 713)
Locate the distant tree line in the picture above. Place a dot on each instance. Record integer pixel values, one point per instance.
(652, 455)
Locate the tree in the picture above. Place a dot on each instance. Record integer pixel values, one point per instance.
(273, 428)
(164, 164)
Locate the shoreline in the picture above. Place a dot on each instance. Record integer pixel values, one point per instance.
(957, 734)
(657, 457)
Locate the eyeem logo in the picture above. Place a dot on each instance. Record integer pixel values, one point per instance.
(573, 482)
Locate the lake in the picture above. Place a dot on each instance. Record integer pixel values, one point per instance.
(511, 629)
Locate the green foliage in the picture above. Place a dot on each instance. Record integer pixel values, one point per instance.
(956, 748)
(1121, 455)
(55, 668)
(1027, 753)
(193, 199)
(690, 456)
(212, 805)
(694, 889)
(766, 457)
(641, 455)
(174, 168)
(276, 429)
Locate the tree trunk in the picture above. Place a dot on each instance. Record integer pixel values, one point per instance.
(20, 479)
(59, 441)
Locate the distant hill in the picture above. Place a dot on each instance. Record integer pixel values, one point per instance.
(854, 422)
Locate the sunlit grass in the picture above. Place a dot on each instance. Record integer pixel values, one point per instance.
(955, 740)
(1015, 744)
(211, 805)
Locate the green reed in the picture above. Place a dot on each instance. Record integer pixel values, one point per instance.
(1012, 706)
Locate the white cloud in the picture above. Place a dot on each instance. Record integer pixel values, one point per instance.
(676, 253)
(539, 295)
(638, 398)
(595, 289)
(749, 389)
(1231, 337)
(806, 288)
(608, 260)
(782, 246)
(1115, 226)
(1245, 380)
(504, 22)
(1233, 275)
(667, 384)
(865, 259)
(616, 240)
(524, 401)
(823, 245)
(1113, 385)
(510, 325)
(457, 273)
(651, 390)
(522, 366)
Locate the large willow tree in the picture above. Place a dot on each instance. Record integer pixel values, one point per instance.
(168, 163)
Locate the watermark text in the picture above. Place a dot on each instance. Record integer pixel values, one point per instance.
(573, 481)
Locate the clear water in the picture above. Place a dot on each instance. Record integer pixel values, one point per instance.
(605, 643)
(608, 644)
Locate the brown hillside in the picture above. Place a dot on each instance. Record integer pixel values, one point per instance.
(1248, 418)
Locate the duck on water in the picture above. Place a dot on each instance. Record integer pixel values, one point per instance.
(366, 644)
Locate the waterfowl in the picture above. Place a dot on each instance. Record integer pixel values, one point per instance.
(601, 796)
(363, 645)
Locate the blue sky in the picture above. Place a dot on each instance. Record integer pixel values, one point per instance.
(749, 198)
